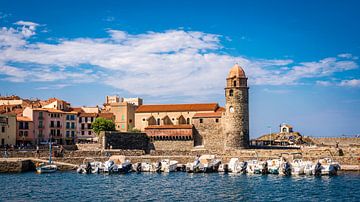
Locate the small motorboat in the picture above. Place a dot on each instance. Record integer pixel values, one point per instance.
(254, 167)
(46, 168)
(327, 166)
(309, 168)
(209, 164)
(285, 168)
(124, 165)
(110, 167)
(274, 166)
(89, 166)
(297, 167)
(168, 165)
(145, 167)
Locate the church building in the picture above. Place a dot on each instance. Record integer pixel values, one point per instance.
(206, 125)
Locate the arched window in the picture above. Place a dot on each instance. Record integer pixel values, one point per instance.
(235, 83)
(158, 121)
(231, 93)
(188, 121)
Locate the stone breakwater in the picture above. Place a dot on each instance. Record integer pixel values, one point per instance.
(350, 157)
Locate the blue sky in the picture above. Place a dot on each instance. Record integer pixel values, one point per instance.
(301, 57)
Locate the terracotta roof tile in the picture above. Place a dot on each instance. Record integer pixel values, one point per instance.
(181, 126)
(107, 115)
(88, 114)
(23, 118)
(177, 107)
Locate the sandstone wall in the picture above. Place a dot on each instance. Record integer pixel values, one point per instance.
(177, 145)
(209, 133)
(331, 141)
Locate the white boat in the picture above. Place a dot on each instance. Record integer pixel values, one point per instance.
(110, 167)
(89, 166)
(254, 167)
(297, 167)
(236, 166)
(274, 166)
(47, 167)
(168, 165)
(285, 167)
(327, 167)
(309, 168)
(145, 167)
(124, 165)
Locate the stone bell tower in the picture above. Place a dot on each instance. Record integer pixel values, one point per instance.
(236, 119)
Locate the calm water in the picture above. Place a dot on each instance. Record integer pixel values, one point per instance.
(70, 186)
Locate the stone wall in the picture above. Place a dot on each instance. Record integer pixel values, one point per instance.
(15, 166)
(209, 133)
(175, 145)
(125, 141)
(331, 141)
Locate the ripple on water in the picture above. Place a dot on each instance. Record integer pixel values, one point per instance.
(70, 186)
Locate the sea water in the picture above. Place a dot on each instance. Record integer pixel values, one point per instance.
(70, 186)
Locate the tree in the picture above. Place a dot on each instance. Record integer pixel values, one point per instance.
(101, 124)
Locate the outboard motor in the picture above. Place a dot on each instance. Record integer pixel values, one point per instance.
(318, 169)
(244, 167)
(265, 169)
(88, 168)
(138, 168)
(287, 169)
(158, 167)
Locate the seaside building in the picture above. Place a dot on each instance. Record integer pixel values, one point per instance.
(7, 129)
(85, 117)
(201, 125)
(123, 110)
(24, 131)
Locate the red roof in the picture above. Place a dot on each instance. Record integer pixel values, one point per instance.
(107, 115)
(181, 126)
(177, 107)
(23, 118)
(208, 115)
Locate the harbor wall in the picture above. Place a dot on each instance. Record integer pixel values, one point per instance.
(15, 165)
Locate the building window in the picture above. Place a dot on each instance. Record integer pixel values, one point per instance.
(122, 117)
(158, 121)
(82, 126)
(67, 125)
(67, 133)
(20, 133)
(201, 120)
(235, 83)
(67, 117)
(92, 119)
(86, 119)
(231, 93)
(3, 129)
(80, 119)
(21, 125)
(26, 126)
(89, 132)
(72, 125)
(52, 124)
(82, 132)
(58, 132)
(188, 121)
(72, 134)
(217, 120)
(144, 119)
(25, 133)
(122, 126)
(72, 117)
(89, 126)
(58, 124)
(130, 120)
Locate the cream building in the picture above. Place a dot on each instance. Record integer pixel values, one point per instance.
(170, 114)
(7, 129)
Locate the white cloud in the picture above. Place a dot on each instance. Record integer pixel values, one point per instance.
(324, 83)
(174, 62)
(350, 83)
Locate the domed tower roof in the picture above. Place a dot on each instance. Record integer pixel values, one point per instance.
(236, 71)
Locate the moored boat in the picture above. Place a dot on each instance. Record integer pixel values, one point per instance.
(47, 167)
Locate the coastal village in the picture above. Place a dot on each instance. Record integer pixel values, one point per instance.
(154, 132)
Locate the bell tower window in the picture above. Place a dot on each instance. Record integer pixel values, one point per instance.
(231, 93)
(235, 83)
